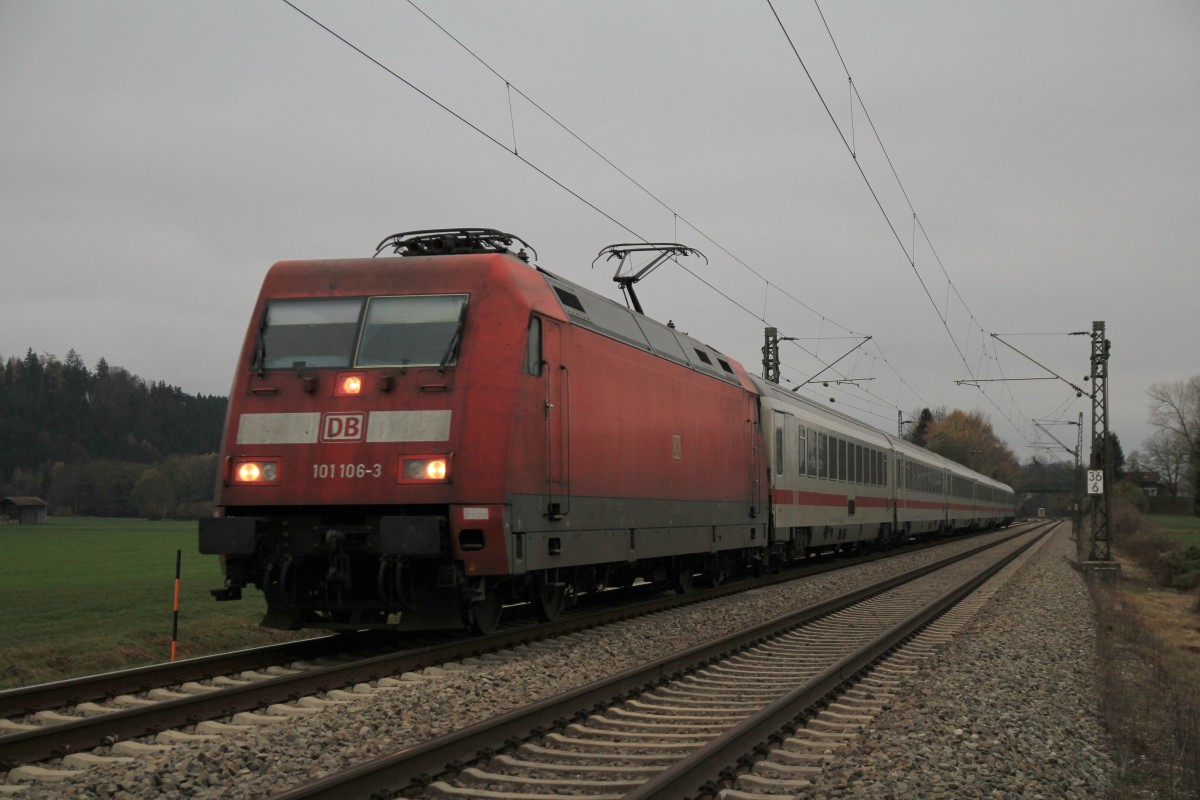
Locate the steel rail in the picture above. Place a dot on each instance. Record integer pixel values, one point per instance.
(421, 763)
(59, 739)
(24, 700)
(31, 699)
(701, 773)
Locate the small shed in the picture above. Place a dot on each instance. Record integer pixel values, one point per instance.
(24, 510)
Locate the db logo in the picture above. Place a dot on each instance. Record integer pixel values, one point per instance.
(343, 427)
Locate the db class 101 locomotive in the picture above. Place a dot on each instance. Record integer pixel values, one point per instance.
(415, 441)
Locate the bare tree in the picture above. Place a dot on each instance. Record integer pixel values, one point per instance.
(1167, 454)
(1175, 410)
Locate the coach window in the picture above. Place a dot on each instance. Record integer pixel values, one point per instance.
(843, 461)
(859, 463)
(833, 458)
(308, 333)
(812, 453)
(802, 451)
(822, 456)
(779, 451)
(533, 348)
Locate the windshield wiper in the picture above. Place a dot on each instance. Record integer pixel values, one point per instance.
(260, 345)
(452, 350)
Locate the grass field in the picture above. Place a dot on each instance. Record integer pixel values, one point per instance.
(1186, 529)
(86, 595)
(1149, 658)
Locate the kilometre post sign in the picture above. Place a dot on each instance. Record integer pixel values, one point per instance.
(1095, 480)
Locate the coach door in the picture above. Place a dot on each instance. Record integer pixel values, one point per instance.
(556, 377)
(760, 478)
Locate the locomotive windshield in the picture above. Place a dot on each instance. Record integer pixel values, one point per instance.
(419, 330)
(309, 333)
(411, 330)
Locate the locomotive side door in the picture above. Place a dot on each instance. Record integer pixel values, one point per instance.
(556, 378)
(760, 479)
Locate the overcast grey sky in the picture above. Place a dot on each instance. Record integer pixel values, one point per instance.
(158, 157)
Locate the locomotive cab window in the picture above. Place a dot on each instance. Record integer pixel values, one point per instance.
(396, 331)
(308, 333)
(533, 348)
(412, 330)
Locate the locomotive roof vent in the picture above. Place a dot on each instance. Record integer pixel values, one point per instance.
(454, 241)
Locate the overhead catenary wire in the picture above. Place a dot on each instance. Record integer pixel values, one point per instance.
(462, 119)
(676, 216)
(910, 255)
(950, 285)
(511, 88)
(666, 206)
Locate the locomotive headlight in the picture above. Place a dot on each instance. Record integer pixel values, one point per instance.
(259, 472)
(348, 384)
(423, 469)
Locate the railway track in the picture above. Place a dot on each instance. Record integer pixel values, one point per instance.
(114, 708)
(693, 724)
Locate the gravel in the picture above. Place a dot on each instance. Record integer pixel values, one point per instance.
(1028, 727)
(1007, 710)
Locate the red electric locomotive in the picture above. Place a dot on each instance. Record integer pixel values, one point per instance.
(415, 441)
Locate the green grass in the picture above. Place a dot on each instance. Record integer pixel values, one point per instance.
(1186, 530)
(86, 595)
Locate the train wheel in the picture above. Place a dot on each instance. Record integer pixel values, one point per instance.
(483, 616)
(685, 574)
(549, 599)
(717, 570)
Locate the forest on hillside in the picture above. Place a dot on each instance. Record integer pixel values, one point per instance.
(104, 442)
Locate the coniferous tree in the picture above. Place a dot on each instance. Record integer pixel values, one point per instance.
(82, 439)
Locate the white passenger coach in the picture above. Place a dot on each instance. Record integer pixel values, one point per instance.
(837, 484)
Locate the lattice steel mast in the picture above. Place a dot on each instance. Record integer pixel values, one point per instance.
(1101, 446)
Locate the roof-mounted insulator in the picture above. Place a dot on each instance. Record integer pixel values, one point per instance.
(454, 241)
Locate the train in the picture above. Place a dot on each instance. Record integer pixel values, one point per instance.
(417, 440)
